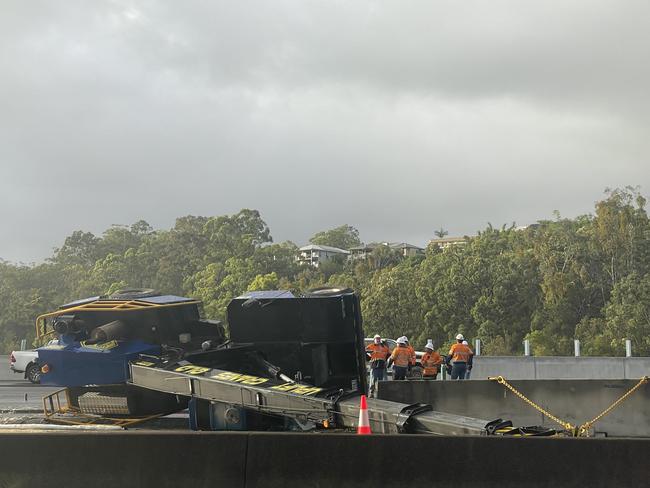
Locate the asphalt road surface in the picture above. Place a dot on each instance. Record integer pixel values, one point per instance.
(17, 393)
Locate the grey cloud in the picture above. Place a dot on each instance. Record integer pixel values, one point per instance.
(394, 117)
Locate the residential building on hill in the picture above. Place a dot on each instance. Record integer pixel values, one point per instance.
(315, 254)
(362, 251)
(445, 242)
(404, 248)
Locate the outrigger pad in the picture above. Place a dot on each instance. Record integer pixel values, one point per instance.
(505, 428)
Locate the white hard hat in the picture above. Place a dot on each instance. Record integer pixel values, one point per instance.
(460, 337)
(465, 342)
(429, 345)
(377, 336)
(401, 340)
(406, 339)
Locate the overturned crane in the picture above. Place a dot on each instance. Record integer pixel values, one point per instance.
(290, 363)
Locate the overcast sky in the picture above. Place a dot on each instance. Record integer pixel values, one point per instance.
(395, 117)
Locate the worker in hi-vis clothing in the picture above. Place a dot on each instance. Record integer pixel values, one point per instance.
(459, 356)
(430, 362)
(400, 359)
(412, 359)
(379, 353)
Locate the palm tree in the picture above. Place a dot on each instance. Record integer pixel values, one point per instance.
(441, 233)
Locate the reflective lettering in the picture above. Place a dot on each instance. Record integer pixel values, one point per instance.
(192, 369)
(297, 389)
(245, 379)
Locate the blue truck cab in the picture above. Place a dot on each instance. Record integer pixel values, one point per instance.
(99, 335)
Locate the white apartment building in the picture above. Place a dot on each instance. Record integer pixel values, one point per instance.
(315, 254)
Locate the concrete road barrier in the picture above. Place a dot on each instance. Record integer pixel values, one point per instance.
(461, 462)
(122, 460)
(558, 367)
(248, 460)
(574, 401)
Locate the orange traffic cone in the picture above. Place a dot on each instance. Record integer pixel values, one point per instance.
(364, 424)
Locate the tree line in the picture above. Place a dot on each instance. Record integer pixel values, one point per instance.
(586, 278)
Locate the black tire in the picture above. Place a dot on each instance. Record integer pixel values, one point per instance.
(133, 294)
(328, 291)
(33, 373)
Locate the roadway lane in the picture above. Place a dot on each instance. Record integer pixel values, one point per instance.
(16, 393)
(21, 402)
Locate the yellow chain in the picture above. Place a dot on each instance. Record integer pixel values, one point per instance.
(584, 428)
(502, 381)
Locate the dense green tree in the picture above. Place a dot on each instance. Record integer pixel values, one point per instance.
(238, 235)
(391, 306)
(487, 288)
(626, 316)
(79, 248)
(277, 258)
(343, 237)
(219, 283)
(571, 282)
(621, 233)
(269, 281)
(120, 238)
(586, 277)
(383, 256)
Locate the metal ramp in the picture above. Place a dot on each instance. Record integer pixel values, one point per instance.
(59, 409)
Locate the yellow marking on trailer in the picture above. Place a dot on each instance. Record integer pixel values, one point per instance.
(101, 347)
(297, 389)
(192, 369)
(245, 379)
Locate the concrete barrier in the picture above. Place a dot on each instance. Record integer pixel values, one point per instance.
(462, 462)
(575, 401)
(557, 367)
(251, 460)
(122, 459)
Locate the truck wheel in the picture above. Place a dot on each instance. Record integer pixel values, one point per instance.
(33, 373)
(327, 291)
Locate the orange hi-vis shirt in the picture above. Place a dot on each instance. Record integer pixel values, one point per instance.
(412, 352)
(378, 351)
(401, 356)
(460, 352)
(430, 362)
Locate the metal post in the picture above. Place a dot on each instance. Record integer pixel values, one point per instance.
(477, 347)
(628, 348)
(576, 347)
(526, 347)
(23, 344)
